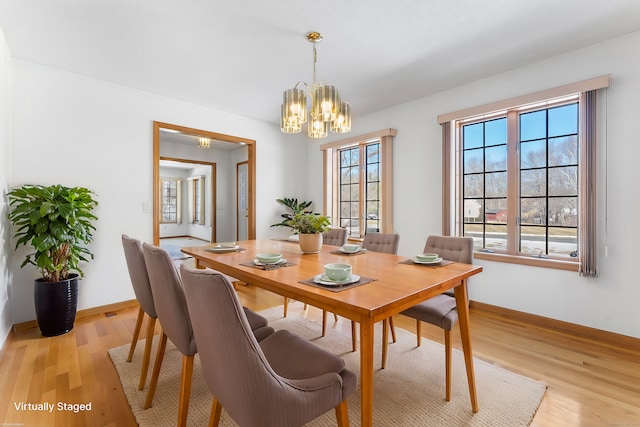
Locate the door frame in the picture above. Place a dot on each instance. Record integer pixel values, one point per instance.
(251, 179)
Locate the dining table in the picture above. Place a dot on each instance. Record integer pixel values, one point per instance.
(388, 285)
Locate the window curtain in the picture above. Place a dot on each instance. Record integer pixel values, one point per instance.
(179, 201)
(587, 244)
(202, 199)
(446, 178)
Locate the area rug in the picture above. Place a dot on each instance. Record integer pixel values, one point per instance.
(409, 392)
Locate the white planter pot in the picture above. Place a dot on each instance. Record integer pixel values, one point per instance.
(310, 243)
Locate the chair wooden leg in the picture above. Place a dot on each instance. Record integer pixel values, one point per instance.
(447, 352)
(335, 317)
(216, 411)
(418, 333)
(185, 389)
(342, 415)
(151, 326)
(285, 307)
(393, 329)
(354, 337)
(385, 343)
(324, 322)
(156, 371)
(136, 332)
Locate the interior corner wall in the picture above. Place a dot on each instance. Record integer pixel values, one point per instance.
(608, 302)
(75, 130)
(5, 167)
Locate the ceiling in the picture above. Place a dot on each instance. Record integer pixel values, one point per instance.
(184, 138)
(238, 56)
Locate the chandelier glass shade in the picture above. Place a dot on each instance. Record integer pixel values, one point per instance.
(327, 112)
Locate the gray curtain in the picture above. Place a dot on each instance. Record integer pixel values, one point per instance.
(587, 247)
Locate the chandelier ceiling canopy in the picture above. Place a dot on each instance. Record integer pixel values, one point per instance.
(328, 111)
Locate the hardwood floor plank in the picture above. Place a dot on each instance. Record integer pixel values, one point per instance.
(592, 382)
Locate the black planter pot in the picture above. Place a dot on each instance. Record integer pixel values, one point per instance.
(56, 304)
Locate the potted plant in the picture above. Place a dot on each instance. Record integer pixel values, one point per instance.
(310, 227)
(56, 221)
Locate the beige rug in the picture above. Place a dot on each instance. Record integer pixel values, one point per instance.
(409, 392)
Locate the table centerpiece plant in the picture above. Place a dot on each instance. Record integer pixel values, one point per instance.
(309, 226)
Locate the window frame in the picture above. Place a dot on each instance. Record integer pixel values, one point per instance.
(513, 170)
(331, 177)
(452, 169)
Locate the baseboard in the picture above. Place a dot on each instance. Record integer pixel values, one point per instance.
(559, 325)
(81, 314)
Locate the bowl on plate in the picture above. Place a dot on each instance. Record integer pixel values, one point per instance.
(427, 257)
(268, 258)
(351, 248)
(337, 272)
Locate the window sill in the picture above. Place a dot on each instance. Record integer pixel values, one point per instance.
(529, 261)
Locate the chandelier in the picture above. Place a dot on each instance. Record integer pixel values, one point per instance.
(328, 112)
(204, 142)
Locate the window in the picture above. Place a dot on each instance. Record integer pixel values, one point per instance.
(543, 179)
(169, 199)
(359, 164)
(358, 183)
(519, 177)
(197, 199)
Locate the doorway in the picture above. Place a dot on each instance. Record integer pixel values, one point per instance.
(180, 142)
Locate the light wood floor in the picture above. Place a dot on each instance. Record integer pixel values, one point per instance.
(590, 383)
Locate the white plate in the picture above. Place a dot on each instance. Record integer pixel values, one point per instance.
(223, 248)
(324, 280)
(435, 261)
(349, 252)
(282, 261)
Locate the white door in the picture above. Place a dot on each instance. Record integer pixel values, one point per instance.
(242, 191)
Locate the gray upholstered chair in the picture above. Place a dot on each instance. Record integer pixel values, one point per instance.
(381, 242)
(441, 310)
(335, 237)
(282, 381)
(171, 308)
(142, 289)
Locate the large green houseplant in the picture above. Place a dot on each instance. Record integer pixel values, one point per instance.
(56, 221)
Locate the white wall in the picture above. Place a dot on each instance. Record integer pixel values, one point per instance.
(5, 176)
(72, 130)
(608, 302)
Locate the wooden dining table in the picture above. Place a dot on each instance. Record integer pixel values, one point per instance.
(396, 286)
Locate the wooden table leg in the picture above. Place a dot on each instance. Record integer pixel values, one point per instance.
(366, 372)
(462, 305)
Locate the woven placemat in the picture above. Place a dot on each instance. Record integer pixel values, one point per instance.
(440, 264)
(267, 267)
(363, 281)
